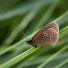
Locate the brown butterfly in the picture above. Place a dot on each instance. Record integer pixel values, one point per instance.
(48, 35)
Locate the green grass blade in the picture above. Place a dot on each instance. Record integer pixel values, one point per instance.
(52, 57)
(18, 58)
(61, 64)
(25, 39)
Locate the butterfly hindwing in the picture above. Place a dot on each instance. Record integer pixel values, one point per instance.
(47, 35)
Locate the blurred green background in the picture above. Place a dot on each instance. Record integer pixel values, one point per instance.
(19, 22)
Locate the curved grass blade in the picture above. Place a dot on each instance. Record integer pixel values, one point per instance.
(62, 63)
(25, 39)
(52, 57)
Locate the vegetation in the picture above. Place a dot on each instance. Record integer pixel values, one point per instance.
(19, 22)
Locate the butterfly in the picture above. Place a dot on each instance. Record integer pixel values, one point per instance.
(48, 35)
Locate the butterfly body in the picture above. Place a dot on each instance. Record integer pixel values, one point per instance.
(48, 35)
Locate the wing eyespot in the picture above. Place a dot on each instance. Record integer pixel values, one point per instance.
(45, 34)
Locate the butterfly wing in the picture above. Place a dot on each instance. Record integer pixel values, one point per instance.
(47, 35)
(52, 25)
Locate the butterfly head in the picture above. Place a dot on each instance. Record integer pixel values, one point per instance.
(32, 43)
